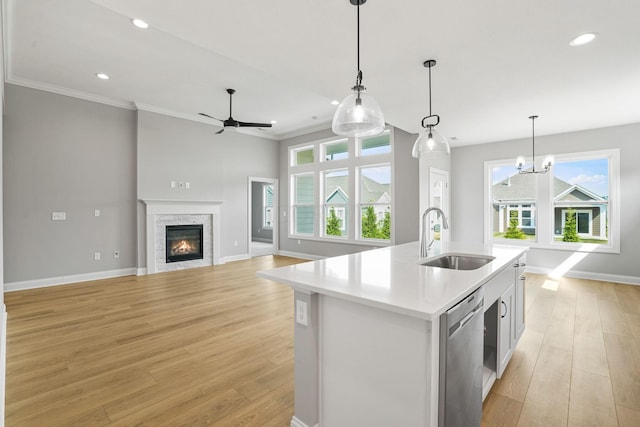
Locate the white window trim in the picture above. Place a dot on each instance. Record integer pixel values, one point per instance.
(545, 207)
(352, 164)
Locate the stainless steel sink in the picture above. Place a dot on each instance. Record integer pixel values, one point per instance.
(458, 261)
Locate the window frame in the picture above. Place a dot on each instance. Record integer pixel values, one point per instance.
(544, 205)
(352, 163)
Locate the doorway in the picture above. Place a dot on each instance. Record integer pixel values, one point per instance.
(439, 198)
(263, 216)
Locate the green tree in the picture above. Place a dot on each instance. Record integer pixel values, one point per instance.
(570, 231)
(333, 224)
(513, 232)
(369, 223)
(385, 229)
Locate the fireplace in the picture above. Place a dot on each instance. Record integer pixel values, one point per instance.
(184, 242)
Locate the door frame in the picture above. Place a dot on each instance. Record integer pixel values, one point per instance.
(276, 215)
(444, 234)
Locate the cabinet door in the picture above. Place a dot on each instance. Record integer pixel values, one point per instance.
(505, 329)
(518, 312)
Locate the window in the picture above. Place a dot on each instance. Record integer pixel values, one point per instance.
(335, 150)
(375, 202)
(303, 204)
(343, 193)
(575, 206)
(267, 203)
(513, 203)
(336, 201)
(582, 196)
(379, 144)
(302, 156)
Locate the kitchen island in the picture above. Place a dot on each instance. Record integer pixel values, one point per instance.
(367, 331)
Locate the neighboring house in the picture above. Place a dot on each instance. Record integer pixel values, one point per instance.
(517, 193)
(372, 193)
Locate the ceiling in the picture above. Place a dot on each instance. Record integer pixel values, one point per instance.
(498, 61)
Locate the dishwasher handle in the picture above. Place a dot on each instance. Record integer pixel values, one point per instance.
(458, 326)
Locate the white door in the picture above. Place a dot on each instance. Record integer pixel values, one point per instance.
(439, 198)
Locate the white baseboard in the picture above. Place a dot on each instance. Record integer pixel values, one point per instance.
(65, 280)
(300, 255)
(141, 272)
(604, 277)
(297, 423)
(231, 258)
(3, 360)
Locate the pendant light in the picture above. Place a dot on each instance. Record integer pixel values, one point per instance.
(430, 142)
(358, 114)
(546, 167)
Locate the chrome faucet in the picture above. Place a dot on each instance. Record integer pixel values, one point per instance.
(424, 247)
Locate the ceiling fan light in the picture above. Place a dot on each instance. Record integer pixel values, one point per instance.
(358, 119)
(430, 143)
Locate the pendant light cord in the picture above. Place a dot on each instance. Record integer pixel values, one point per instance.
(429, 89)
(533, 142)
(359, 75)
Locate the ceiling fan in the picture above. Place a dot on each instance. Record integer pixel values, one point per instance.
(231, 122)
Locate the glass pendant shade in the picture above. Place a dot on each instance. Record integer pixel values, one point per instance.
(430, 143)
(358, 119)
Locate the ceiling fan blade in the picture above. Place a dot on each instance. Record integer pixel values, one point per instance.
(211, 117)
(220, 131)
(254, 125)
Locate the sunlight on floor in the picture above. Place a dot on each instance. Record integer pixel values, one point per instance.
(572, 261)
(551, 285)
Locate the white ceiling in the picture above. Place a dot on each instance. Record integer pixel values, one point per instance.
(498, 61)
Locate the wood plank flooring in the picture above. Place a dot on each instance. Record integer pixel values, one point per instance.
(206, 346)
(214, 346)
(578, 361)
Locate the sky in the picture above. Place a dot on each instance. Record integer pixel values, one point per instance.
(590, 174)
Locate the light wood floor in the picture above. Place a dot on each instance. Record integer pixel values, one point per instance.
(578, 361)
(214, 346)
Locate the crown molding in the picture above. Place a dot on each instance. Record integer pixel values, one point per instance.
(70, 92)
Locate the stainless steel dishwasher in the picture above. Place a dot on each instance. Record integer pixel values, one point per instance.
(461, 344)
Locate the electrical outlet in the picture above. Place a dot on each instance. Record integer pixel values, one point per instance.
(97, 256)
(173, 184)
(116, 254)
(187, 185)
(235, 243)
(302, 315)
(96, 212)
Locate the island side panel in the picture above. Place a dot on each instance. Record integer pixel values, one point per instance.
(306, 380)
(376, 366)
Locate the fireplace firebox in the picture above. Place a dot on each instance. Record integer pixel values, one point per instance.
(184, 242)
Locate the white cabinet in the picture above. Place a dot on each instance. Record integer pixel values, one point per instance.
(518, 318)
(506, 341)
(504, 320)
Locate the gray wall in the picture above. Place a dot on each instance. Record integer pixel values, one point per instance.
(217, 166)
(467, 168)
(258, 233)
(65, 154)
(405, 193)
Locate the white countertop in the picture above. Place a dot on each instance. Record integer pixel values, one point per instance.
(392, 279)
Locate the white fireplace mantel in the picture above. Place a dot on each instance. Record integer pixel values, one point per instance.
(154, 208)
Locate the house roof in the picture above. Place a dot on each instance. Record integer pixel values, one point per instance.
(521, 188)
(371, 190)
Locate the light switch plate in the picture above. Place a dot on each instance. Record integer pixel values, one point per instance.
(58, 216)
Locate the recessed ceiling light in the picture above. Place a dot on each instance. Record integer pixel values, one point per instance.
(140, 23)
(334, 102)
(102, 76)
(583, 39)
(273, 122)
